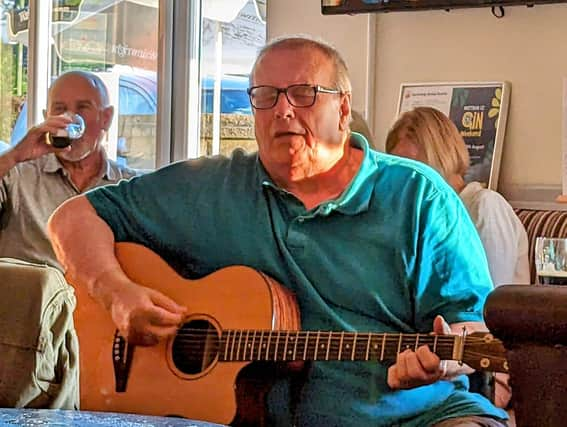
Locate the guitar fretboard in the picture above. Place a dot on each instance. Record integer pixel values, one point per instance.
(251, 345)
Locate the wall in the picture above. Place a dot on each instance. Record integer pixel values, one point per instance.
(528, 47)
(349, 34)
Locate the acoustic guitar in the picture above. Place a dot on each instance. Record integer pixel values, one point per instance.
(237, 316)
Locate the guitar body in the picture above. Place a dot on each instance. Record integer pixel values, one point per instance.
(219, 364)
(159, 380)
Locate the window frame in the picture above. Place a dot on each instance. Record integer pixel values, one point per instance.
(178, 117)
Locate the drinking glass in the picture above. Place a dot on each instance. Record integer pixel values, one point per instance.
(551, 260)
(64, 137)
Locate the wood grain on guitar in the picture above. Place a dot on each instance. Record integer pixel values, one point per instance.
(238, 316)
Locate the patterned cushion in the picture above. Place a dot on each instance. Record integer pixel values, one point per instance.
(541, 223)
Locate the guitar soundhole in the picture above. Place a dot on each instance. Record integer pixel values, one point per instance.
(195, 347)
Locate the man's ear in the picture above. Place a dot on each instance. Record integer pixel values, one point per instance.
(344, 111)
(107, 115)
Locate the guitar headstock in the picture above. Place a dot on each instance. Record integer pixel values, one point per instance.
(483, 352)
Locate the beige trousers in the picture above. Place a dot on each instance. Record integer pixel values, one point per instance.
(39, 365)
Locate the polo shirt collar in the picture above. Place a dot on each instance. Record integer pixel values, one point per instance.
(356, 198)
(52, 165)
(112, 172)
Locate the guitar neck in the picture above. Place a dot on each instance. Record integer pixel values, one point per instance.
(253, 345)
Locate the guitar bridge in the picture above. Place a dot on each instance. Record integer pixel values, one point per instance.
(122, 354)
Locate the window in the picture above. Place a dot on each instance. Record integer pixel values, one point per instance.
(118, 40)
(232, 32)
(13, 63)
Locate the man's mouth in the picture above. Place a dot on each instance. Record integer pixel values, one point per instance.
(287, 133)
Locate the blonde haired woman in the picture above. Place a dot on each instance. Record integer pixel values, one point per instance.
(427, 135)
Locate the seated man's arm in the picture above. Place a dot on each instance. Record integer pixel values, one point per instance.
(84, 244)
(32, 144)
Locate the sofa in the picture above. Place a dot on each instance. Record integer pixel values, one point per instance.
(546, 223)
(532, 322)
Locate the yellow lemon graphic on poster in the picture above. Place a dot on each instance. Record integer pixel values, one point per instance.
(495, 106)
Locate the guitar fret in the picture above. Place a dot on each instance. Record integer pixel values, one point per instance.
(277, 344)
(353, 346)
(239, 345)
(399, 344)
(295, 345)
(404, 345)
(328, 345)
(285, 347)
(306, 341)
(268, 345)
(435, 343)
(368, 346)
(232, 346)
(245, 345)
(258, 354)
(253, 343)
(316, 350)
(341, 345)
(383, 347)
(226, 345)
(229, 344)
(416, 342)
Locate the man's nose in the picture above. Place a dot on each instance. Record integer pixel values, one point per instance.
(283, 109)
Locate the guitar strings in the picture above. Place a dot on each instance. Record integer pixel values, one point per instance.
(312, 334)
(267, 345)
(243, 335)
(334, 340)
(313, 353)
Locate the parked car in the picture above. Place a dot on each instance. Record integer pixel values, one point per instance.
(137, 97)
(3, 146)
(234, 98)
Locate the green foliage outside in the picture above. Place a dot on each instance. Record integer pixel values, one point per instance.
(11, 95)
(12, 87)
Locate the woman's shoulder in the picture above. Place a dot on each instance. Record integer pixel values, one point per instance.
(488, 206)
(475, 194)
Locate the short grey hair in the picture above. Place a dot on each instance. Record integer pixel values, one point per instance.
(341, 77)
(94, 80)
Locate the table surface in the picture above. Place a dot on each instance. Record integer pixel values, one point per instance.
(57, 417)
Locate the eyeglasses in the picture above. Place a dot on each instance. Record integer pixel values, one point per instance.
(302, 96)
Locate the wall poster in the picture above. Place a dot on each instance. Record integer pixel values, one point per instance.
(478, 109)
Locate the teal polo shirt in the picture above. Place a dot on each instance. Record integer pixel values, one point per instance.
(388, 255)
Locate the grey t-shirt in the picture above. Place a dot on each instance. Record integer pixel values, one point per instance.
(29, 193)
